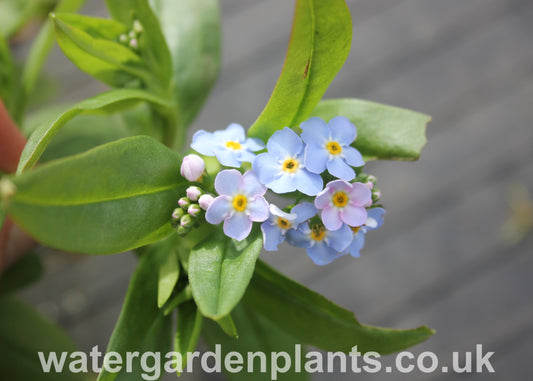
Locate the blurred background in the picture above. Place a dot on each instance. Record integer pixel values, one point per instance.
(455, 252)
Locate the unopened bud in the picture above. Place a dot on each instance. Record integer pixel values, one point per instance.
(376, 194)
(193, 193)
(372, 178)
(369, 185)
(177, 213)
(194, 210)
(192, 167)
(205, 201)
(132, 34)
(182, 230)
(184, 203)
(137, 26)
(123, 38)
(186, 221)
(134, 43)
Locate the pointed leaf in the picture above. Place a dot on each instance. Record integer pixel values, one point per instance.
(319, 45)
(169, 273)
(383, 132)
(314, 320)
(228, 326)
(188, 329)
(20, 274)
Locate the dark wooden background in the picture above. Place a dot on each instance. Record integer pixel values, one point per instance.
(451, 254)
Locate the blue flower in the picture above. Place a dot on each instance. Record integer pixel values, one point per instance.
(282, 169)
(240, 203)
(373, 221)
(230, 146)
(328, 146)
(279, 222)
(323, 246)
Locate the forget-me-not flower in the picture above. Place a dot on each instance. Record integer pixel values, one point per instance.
(328, 146)
(373, 221)
(230, 146)
(240, 203)
(343, 203)
(279, 222)
(282, 168)
(323, 246)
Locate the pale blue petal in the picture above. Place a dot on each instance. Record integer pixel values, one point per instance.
(342, 130)
(353, 157)
(338, 168)
(315, 130)
(227, 157)
(219, 210)
(321, 254)
(245, 155)
(251, 185)
(357, 244)
(284, 143)
(234, 132)
(228, 182)
(204, 143)
(339, 239)
(375, 218)
(309, 183)
(304, 212)
(257, 209)
(254, 144)
(277, 212)
(272, 236)
(285, 183)
(266, 167)
(316, 158)
(238, 226)
(299, 238)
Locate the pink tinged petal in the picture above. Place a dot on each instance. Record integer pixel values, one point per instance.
(338, 168)
(315, 130)
(266, 167)
(205, 201)
(228, 182)
(308, 183)
(353, 215)
(316, 158)
(321, 254)
(257, 209)
(323, 199)
(337, 185)
(342, 130)
(284, 143)
(360, 195)
(331, 218)
(339, 239)
(272, 236)
(203, 142)
(353, 157)
(219, 210)
(251, 184)
(238, 226)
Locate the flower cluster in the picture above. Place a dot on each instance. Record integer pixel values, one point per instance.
(337, 203)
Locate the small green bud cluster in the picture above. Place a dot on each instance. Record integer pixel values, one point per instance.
(191, 209)
(131, 39)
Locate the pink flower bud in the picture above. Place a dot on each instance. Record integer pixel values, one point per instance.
(369, 185)
(192, 167)
(205, 201)
(194, 210)
(193, 193)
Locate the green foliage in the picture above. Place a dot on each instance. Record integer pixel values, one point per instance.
(319, 45)
(141, 325)
(192, 32)
(113, 198)
(383, 132)
(20, 274)
(7, 74)
(107, 102)
(188, 329)
(14, 14)
(24, 333)
(256, 334)
(228, 326)
(220, 269)
(169, 273)
(314, 320)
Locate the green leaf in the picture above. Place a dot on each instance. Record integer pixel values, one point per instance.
(256, 334)
(15, 14)
(20, 274)
(169, 272)
(152, 45)
(141, 325)
(110, 199)
(192, 32)
(188, 329)
(220, 269)
(97, 55)
(107, 102)
(383, 132)
(24, 333)
(7, 74)
(228, 326)
(319, 45)
(314, 320)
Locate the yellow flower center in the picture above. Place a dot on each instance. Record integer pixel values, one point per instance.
(318, 232)
(340, 199)
(333, 148)
(290, 165)
(233, 145)
(355, 229)
(240, 202)
(284, 223)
